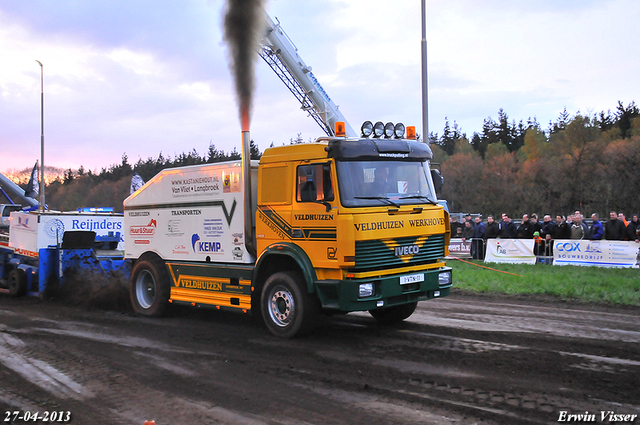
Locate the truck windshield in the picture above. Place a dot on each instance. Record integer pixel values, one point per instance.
(372, 183)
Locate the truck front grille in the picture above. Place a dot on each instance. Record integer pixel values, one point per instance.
(399, 252)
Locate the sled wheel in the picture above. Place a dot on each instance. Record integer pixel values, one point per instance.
(287, 309)
(149, 287)
(393, 314)
(17, 282)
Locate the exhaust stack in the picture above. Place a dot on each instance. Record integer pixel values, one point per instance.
(249, 215)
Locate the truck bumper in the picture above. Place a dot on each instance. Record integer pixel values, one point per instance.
(348, 295)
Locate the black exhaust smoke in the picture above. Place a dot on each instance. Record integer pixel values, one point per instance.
(243, 25)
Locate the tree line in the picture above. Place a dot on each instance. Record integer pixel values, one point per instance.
(582, 162)
(589, 162)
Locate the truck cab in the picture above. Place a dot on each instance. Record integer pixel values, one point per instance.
(5, 213)
(357, 222)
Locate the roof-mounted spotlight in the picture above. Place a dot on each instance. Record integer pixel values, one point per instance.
(388, 130)
(378, 129)
(398, 130)
(367, 128)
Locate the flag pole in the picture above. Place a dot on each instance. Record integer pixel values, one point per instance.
(42, 204)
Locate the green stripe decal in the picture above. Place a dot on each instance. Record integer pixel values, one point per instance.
(304, 233)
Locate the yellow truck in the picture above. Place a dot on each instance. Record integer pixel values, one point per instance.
(340, 225)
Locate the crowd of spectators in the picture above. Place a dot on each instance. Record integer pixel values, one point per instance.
(617, 228)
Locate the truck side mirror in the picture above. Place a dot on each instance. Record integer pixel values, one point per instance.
(438, 181)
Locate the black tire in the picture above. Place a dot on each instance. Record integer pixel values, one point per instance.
(17, 283)
(395, 314)
(287, 308)
(149, 287)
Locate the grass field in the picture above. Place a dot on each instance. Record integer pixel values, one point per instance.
(588, 284)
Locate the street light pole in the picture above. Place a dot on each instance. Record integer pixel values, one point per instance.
(425, 82)
(42, 204)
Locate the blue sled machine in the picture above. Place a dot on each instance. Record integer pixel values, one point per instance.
(43, 250)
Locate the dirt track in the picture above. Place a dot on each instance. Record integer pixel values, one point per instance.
(462, 360)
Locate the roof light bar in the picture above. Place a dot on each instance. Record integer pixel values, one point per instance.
(388, 130)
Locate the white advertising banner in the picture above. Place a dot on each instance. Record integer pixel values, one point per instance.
(193, 213)
(459, 248)
(601, 253)
(33, 231)
(516, 251)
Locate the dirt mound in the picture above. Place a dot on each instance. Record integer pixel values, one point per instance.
(88, 289)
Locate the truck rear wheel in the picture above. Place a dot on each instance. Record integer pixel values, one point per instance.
(393, 314)
(287, 309)
(17, 283)
(149, 287)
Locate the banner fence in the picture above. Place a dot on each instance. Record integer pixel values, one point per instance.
(602, 253)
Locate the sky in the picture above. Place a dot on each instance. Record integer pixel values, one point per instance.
(141, 78)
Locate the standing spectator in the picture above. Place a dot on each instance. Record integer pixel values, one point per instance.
(525, 230)
(632, 228)
(547, 232)
(596, 231)
(502, 221)
(492, 229)
(562, 230)
(614, 229)
(624, 221)
(470, 220)
(579, 229)
(535, 223)
(538, 247)
(622, 218)
(454, 226)
(479, 229)
(509, 229)
(477, 244)
(548, 226)
(467, 231)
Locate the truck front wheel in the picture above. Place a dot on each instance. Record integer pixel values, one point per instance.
(287, 309)
(149, 287)
(17, 282)
(393, 314)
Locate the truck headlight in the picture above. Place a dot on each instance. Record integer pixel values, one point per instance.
(389, 130)
(365, 290)
(367, 129)
(444, 278)
(378, 130)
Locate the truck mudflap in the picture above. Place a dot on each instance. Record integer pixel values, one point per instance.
(365, 294)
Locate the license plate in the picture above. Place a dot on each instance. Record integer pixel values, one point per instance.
(412, 278)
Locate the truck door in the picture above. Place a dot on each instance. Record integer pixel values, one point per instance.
(314, 216)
